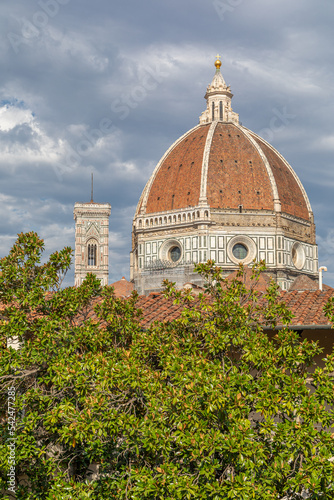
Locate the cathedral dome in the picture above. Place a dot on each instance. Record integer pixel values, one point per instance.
(221, 192)
(225, 166)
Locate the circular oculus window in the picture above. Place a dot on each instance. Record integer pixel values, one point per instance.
(171, 251)
(241, 249)
(298, 255)
(174, 254)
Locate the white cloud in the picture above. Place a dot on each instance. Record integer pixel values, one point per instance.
(11, 116)
(30, 144)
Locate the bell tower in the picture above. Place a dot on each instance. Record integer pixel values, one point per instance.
(91, 240)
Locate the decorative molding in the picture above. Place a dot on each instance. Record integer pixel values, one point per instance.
(203, 201)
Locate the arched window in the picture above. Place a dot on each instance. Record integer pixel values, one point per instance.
(92, 251)
(220, 110)
(213, 111)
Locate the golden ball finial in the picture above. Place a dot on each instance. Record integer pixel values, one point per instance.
(218, 62)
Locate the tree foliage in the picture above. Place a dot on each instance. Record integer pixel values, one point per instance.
(208, 406)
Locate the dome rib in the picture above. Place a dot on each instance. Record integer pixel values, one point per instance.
(290, 184)
(203, 199)
(277, 203)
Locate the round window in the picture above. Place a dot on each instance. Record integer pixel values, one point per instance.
(298, 255)
(240, 251)
(241, 248)
(294, 255)
(175, 254)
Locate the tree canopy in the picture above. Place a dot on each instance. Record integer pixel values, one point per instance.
(209, 406)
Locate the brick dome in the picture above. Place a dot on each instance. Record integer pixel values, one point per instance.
(226, 166)
(222, 193)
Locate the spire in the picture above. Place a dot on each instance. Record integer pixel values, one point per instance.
(92, 191)
(218, 97)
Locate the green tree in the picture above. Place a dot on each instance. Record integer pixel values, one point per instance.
(205, 407)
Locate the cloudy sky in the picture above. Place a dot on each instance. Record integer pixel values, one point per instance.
(107, 86)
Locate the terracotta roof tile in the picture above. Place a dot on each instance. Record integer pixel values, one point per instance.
(290, 194)
(304, 282)
(123, 288)
(307, 307)
(236, 175)
(178, 181)
(260, 285)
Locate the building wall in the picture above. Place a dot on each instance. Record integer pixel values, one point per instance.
(285, 243)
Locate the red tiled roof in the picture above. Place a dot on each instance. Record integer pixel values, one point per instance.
(156, 307)
(306, 306)
(260, 285)
(304, 282)
(290, 194)
(178, 181)
(237, 174)
(123, 288)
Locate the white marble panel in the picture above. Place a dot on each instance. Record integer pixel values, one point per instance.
(221, 256)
